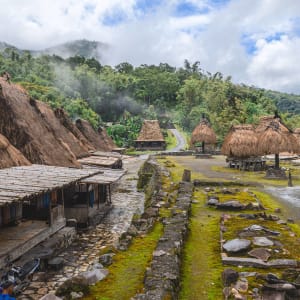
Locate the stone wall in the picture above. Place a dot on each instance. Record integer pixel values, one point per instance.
(162, 278)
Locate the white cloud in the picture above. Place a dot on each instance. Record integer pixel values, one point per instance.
(214, 37)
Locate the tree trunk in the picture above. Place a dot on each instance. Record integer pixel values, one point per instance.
(203, 145)
(277, 161)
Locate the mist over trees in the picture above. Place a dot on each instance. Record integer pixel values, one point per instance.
(125, 94)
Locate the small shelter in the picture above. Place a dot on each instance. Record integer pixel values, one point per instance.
(240, 147)
(150, 137)
(204, 136)
(275, 137)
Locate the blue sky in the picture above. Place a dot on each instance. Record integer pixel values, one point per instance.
(257, 42)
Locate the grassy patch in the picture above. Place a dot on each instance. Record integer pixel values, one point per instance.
(126, 274)
(202, 265)
(171, 140)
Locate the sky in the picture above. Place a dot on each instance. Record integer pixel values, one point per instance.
(257, 42)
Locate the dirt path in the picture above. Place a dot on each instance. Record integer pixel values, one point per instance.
(180, 141)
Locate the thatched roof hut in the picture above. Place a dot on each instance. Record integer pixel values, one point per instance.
(241, 142)
(24, 125)
(150, 136)
(274, 137)
(100, 140)
(9, 155)
(204, 134)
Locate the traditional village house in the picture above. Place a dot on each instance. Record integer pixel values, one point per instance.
(203, 137)
(240, 147)
(275, 137)
(32, 202)
(150, 137)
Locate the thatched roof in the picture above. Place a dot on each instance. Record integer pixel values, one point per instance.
(24, 125)
(67, 123)
(100, 140)
(203, 133)
(9, 155)
(241, 141)
(56, 122)
(274, 137)
(150, 132)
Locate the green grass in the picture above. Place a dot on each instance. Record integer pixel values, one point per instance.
(171, 140)
(126, 274)
(202, 266)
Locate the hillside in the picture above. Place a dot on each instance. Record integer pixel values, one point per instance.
(125, 95)
(85, 48)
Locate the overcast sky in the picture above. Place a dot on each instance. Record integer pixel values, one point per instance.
(255, 41)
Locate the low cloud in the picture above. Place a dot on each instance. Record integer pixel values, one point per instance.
(257, 42)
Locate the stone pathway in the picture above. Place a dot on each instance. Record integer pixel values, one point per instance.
(83, 253)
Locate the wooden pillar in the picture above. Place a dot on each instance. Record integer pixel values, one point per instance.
(277, 161)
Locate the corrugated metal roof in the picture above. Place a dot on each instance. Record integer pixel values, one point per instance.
(19, 183)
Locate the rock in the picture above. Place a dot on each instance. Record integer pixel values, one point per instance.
(186, 175)
(159, 253)
(212, 201)
(260, 253)
(273, 279)
(231, 205)
(208, 189)
(56, 263)
(226, 292)
(50, 297)
(75, 295)
(237, 245)
(78, 284)
(279, 286)
(247, 216)
(262, 241)
(277, 210)
(247, 274)
(106, 259)
(281, 222)
(132, 230)
(241, 285)
(237, 295)
(95, 275)
(290, 220)
(229, 276)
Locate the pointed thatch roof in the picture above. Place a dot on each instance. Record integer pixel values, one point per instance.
(100, 140)
(203, 133)
(274, 137)
(241, 141)
(24, 125)
(150, 132)
(9, 155)
(77, 144)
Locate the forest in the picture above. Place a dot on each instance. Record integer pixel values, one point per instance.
(124, 95)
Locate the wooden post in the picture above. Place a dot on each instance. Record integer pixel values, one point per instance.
(277, 161)
(186, 175)
(290, 183)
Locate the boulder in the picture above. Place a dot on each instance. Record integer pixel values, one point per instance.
(231, 205)
(229, 276)
(106, 259)
(236, 245)
(212, 201)
(262, 241)
(94, 276)
(260, 253)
